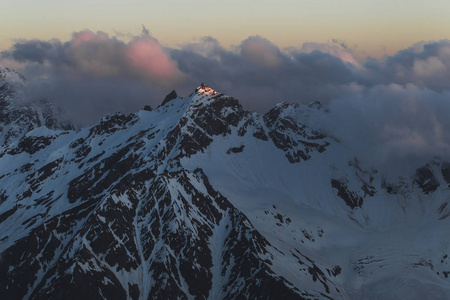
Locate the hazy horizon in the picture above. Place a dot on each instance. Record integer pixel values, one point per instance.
(374, 28)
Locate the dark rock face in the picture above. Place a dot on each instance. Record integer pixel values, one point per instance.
(352, 199)
(294, 138)
(31, 144)
(111, 124)
(236, 149)
(169, 97)
(426, 180)
(362, 185)
(142, 231)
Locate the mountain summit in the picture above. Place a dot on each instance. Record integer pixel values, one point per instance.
(200, 198)
(204, 89)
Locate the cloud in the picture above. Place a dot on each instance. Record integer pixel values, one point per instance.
(145, 31)
(256, 71)
(93, 74)
(260, 74)
(425, 64)
(432, 66)
(96, 54)
(147, 58)
(34, 51)
(389, 109)
(392, 126)
(206, 47)
(260, 51)
(338, 49)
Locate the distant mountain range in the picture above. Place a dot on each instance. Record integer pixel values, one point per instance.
(202, 199)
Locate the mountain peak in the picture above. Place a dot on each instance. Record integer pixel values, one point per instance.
(204, 89)
(169, 97)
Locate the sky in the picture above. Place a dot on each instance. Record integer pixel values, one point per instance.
(376, 27)
(382, 68)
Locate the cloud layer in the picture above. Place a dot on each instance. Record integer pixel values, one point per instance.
(397, 106)
(98, 55)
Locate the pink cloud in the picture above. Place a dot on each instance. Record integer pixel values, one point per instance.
(97, 54)
(146, 56)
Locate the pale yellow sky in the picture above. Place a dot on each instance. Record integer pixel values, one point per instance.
(373, 26)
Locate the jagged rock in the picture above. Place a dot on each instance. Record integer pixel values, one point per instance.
(426, 180)
(169, 97)
(352, 199)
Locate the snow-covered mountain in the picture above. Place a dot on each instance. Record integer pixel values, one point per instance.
(203, 199)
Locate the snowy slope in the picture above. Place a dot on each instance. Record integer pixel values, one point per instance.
(202, 199)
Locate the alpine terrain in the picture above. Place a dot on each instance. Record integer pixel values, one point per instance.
(203, 199)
